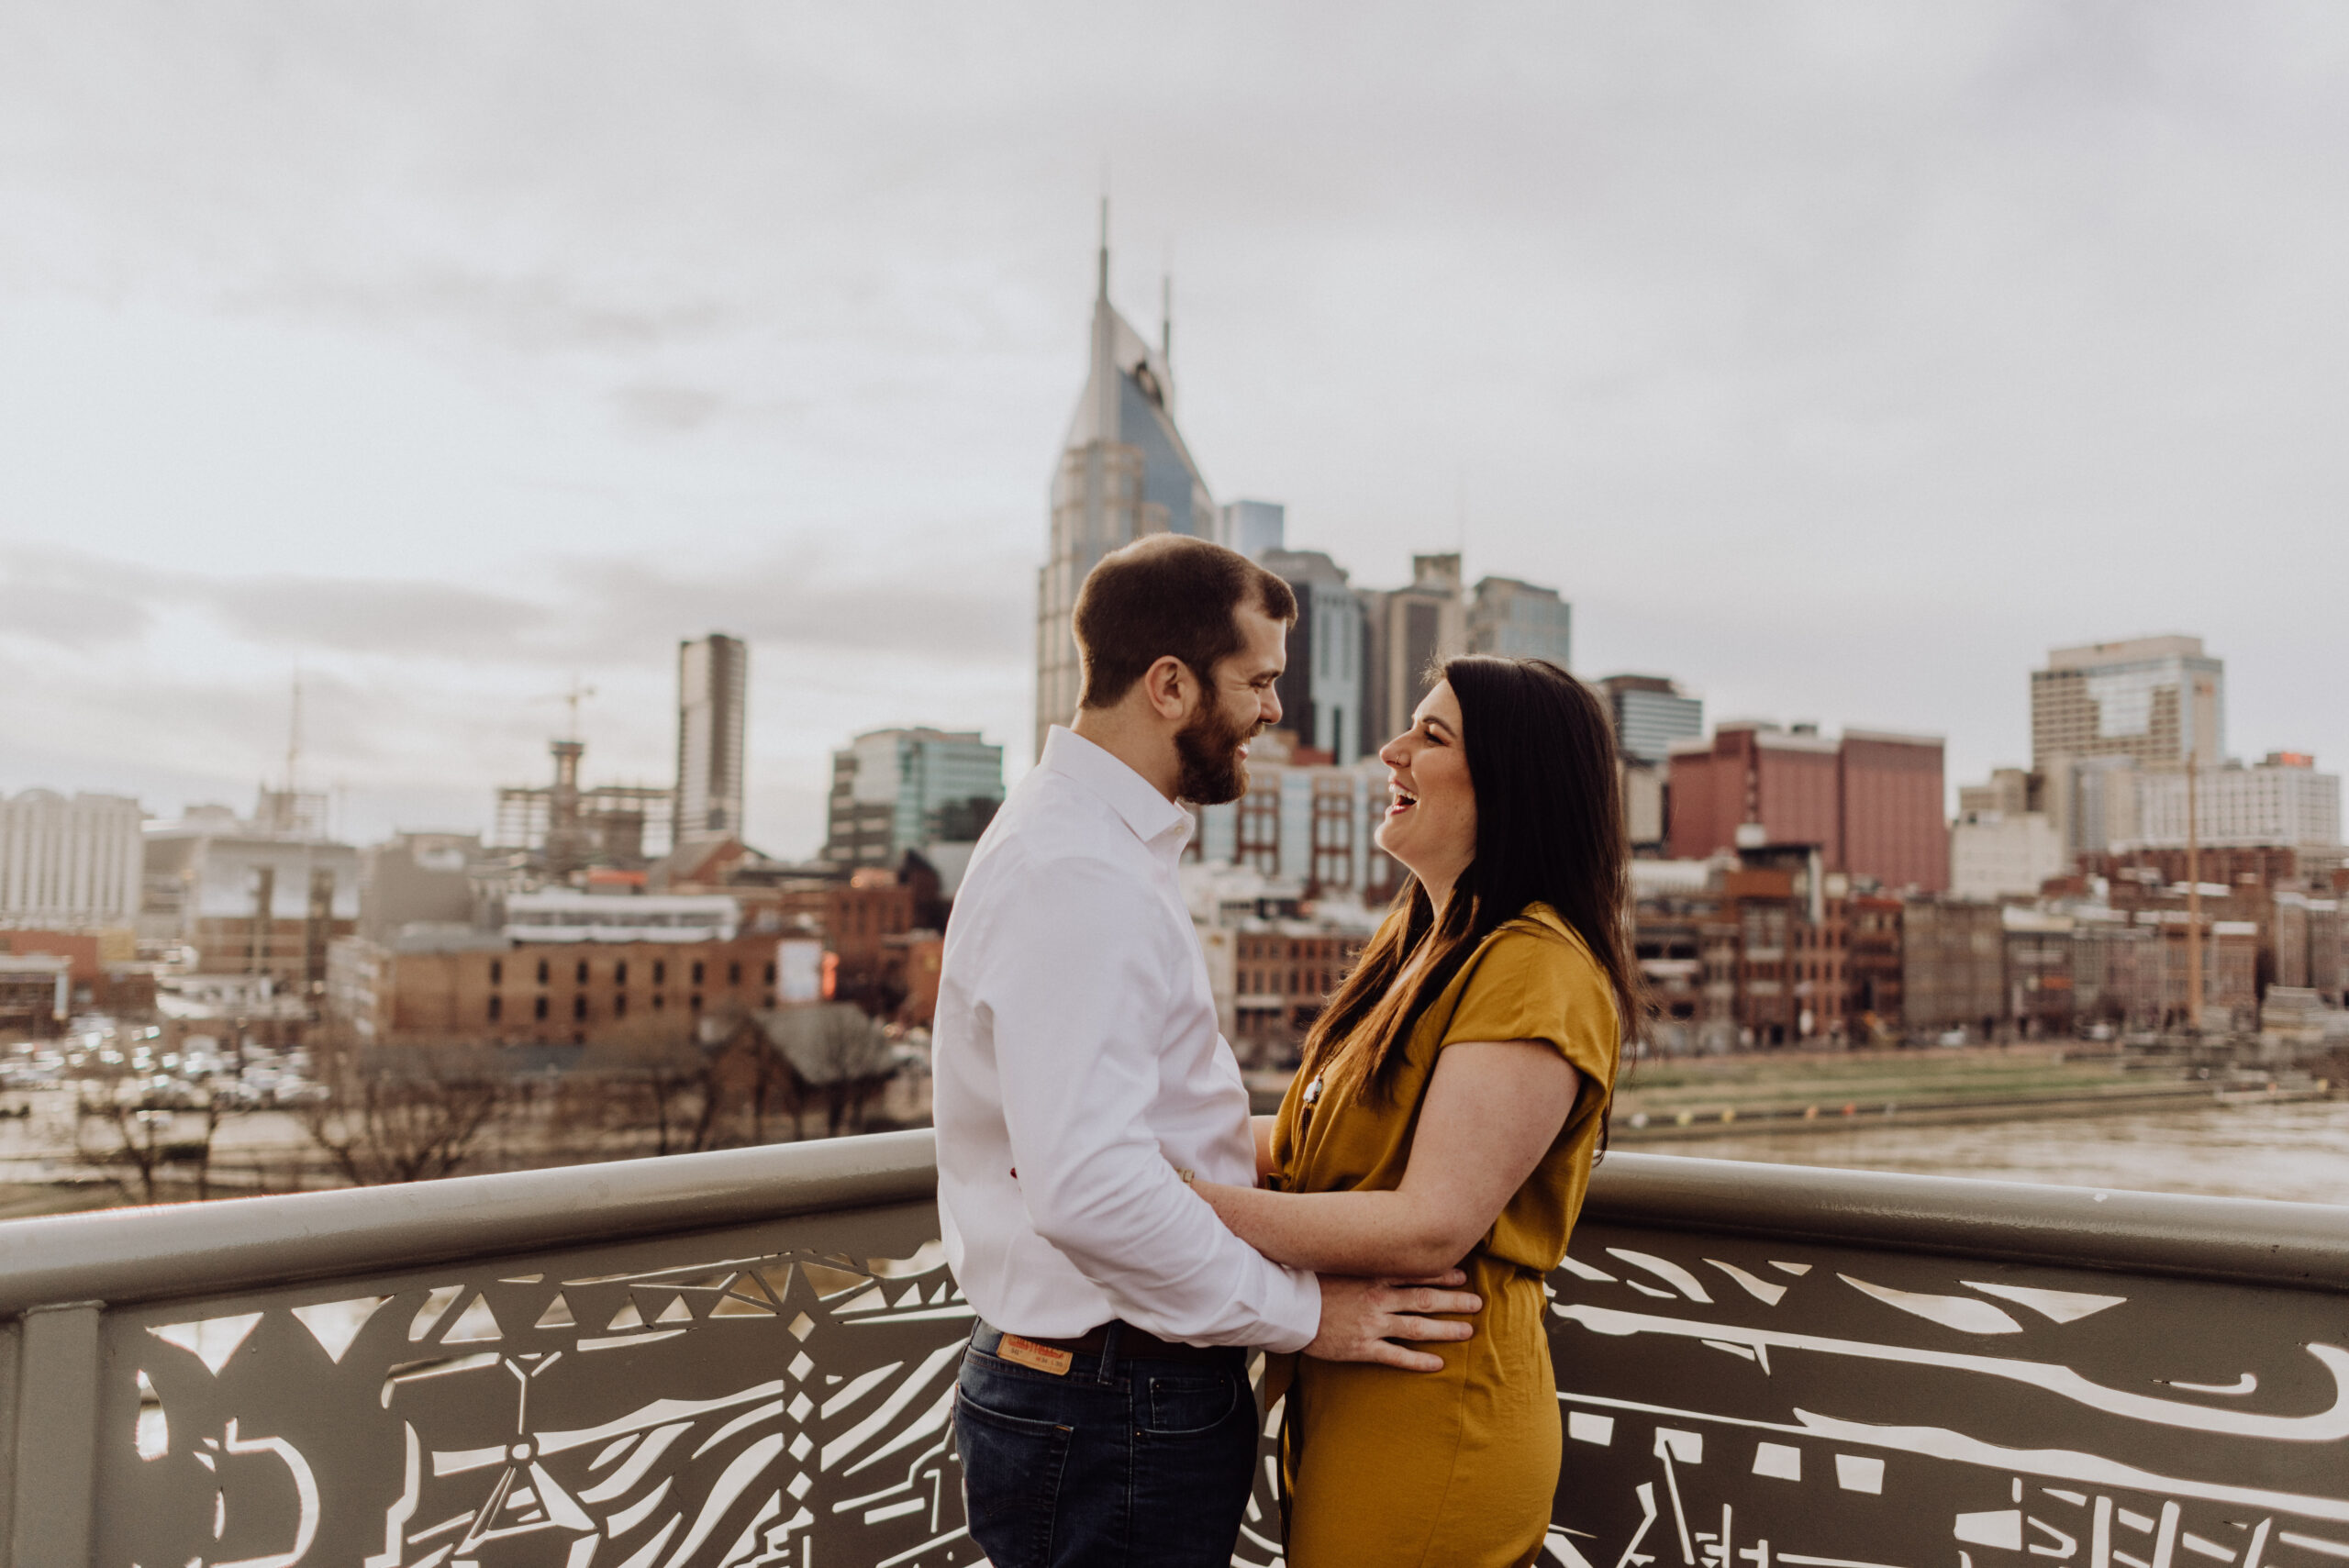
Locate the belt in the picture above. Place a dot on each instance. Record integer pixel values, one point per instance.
(1132, 1344)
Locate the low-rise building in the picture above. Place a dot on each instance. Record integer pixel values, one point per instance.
(2309, 945)
(567, 915)
(1873, 926)
(1952, 967)
(1994, 855)
(2039, 964)
(1274, 957)
(36, 995)
(249, 898)
(457, 987)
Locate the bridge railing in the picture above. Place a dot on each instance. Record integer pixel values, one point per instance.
(748, 1358)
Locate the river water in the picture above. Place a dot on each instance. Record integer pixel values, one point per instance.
(2299, 1152)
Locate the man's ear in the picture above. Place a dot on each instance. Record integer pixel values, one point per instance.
(1172, 688)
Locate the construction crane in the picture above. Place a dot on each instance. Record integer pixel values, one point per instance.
(578, 694)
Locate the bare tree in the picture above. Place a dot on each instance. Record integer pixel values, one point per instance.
(838, 1058)
(653, 1075)
(135, 1140)
(405, 1114)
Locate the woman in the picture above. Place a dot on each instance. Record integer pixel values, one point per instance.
(1451, 1101)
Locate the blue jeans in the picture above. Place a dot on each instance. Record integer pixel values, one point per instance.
(1149, 1466)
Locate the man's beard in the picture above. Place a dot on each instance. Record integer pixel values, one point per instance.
(1213, 772)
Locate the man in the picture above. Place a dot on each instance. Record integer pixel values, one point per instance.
(1104, 1412)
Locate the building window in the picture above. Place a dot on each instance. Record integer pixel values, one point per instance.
(583, 972)
(497, 972)
(496, 1005)
(697, 972)
(770, 979)
(660, 972)
(734, 974)
(579, 1006)
(542, 978)
(619, 973)
(693, 1001)
(658, 1001)
(620, 1006)
(541, 1011)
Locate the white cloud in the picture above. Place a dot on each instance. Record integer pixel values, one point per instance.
(1838, 360)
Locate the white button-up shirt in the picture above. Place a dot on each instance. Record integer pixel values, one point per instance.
(1077, 1064)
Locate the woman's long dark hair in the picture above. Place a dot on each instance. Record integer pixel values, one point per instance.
(1541, 755)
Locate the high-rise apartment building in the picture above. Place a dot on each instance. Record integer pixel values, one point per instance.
(1407, 635)
(1253, 527)
(1124, 473)
(1871, 804)
(895, 790)
(68, 863)
(1320, 691)
(1520, 621)
(2156, 700)
(712, 683)
(1650, 714)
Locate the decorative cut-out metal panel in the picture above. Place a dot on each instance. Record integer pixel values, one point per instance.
(1733, 1402)
(775, 1397)
(783, 1395)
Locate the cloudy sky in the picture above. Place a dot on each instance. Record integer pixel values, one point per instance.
(1837, 359)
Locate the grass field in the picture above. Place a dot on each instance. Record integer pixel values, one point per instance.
(1673, 1099)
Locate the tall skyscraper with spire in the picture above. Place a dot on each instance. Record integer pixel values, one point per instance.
(1124, 473)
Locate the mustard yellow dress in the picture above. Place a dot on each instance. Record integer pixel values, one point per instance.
(1455, 1469)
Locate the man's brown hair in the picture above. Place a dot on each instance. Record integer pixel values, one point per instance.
(1167, 594)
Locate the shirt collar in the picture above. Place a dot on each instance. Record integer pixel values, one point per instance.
(1151, 816)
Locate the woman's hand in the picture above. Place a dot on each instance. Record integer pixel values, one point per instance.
(1492, 1111)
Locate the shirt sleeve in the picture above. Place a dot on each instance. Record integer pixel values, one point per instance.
(1535, 986)
(1077, 995)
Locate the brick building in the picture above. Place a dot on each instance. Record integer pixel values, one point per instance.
(1873, 966)
(487, 991)
(2039, 960)
(1284, 972)
(1953, 966)
(1870, 803)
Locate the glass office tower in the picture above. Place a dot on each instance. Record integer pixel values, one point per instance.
(1124, 473)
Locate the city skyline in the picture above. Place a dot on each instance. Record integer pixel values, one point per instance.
(1793, 353)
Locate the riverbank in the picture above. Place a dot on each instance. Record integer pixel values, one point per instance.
(2299, 1152)
(1707, 1099)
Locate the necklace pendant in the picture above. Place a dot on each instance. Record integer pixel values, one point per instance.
(1313, 1092)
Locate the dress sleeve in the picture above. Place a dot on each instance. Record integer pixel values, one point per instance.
(1534, 985)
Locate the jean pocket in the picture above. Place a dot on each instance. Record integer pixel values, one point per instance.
(1181, 1406)
(1011, 1480)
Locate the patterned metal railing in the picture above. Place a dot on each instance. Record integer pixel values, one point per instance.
(748, 1358)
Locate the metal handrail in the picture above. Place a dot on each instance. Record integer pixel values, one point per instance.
(127, 1256)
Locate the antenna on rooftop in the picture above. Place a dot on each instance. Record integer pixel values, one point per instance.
(1460, 522)
(1166, 331)
(294, 735)
(1102, 290)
